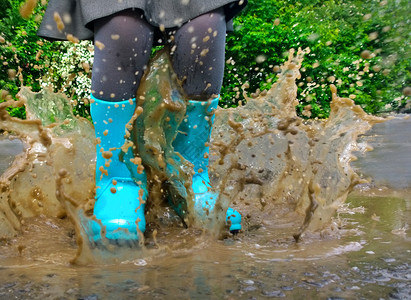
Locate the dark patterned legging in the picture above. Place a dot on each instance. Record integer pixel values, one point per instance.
(197, 54)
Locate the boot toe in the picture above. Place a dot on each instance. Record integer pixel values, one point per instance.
(205, 202)
(120, 209)
(233, 218)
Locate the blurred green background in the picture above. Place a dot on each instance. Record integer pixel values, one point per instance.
(362, 47)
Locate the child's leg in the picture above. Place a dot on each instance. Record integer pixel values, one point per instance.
(122, 49)
(123, 43)
(198, 52)
(198, 60)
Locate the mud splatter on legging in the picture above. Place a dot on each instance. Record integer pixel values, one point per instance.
(123, 43)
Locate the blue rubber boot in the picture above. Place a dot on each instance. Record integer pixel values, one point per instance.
(121, 188)
(191, 142)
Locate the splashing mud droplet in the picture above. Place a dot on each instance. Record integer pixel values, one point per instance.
(27, 8)
(72, 38)
(11, 73)
(99, 45)
(107, 154)
(407, 91)
(59, 21)
(366, 54)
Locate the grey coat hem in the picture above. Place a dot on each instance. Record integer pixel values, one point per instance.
(78, 15)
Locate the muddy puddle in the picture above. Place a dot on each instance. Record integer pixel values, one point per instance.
(369, 259)
(288, 177)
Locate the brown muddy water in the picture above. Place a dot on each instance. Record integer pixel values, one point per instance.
(301, 238)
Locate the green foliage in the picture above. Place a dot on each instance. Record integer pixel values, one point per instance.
(20, 49)
(4, 5)
(337, 33)
(40, 63)
(69, 72)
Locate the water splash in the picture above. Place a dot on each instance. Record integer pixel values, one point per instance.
(274, 167)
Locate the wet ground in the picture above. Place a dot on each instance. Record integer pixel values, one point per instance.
(390, 162)
(370, 260)
(365, 254)
(8, 150)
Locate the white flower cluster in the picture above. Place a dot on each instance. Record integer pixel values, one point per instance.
(69, 71)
